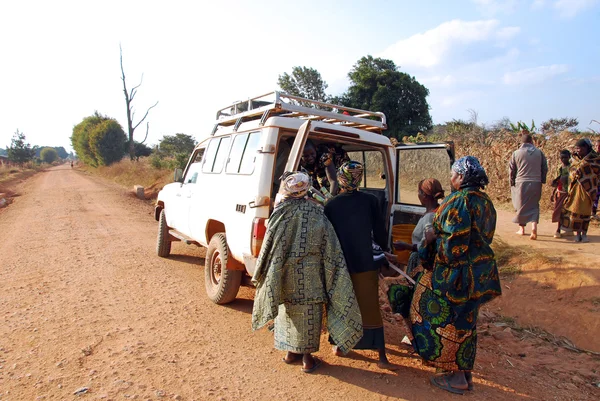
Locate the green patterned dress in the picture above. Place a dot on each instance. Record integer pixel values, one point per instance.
(462, 276)
(300, 272)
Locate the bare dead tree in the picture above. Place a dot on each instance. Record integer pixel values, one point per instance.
(129, 96)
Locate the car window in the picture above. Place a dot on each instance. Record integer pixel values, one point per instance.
(415, 165)
(195, 167)
(235, 156)
(374, 174)
(247, 164)
(216, 153)
(243, 154)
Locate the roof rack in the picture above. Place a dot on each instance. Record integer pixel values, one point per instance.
(281, 104)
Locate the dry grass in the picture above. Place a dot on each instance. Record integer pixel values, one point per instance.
(511, 259)
(11, 174)
(129, 173)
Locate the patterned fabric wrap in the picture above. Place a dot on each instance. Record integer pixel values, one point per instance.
(584, 180)
(472, 171)
(295, 185)
(463, 275)
(350, 175)
(300, 263)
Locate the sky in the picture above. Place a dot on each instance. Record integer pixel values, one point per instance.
(59, 60)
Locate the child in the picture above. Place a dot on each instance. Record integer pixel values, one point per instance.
(561, 185)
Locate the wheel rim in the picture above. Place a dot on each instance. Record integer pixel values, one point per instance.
(216, 268)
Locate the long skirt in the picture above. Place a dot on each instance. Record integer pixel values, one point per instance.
(445, 334)
(577, 209)
(558, 206)
(366, 288)
(526, 201)
(298, 328)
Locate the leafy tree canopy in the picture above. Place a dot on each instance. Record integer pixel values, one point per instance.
(98, 140)
(377, 85)
(60, 151)
(171, 145)
(20, 151)
(304, 82)
(107, 141)
(48, 155)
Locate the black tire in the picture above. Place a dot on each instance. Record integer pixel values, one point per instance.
(222, 284)
(163, 244)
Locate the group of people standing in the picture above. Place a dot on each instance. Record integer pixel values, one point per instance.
(321, 264)
(576, 187)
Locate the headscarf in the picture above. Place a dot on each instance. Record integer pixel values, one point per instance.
(294, 185)
(431, 188)
(473, 173)
(350, 175)
(585, 142)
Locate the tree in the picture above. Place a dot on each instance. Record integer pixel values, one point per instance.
(304, 82)
(129, 96)
(377, 85)
(142, 150)
(171, 145)
(20, 151)
(559, 124)
(80, 140)
(107, 141)
(48, 155)
(99, 140)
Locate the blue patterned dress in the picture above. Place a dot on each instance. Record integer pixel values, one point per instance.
(461, 276)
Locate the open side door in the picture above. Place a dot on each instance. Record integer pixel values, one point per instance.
(416, 162)
(297, 148)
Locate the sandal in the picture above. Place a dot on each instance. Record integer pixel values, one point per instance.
(314, 367)
(443, 383)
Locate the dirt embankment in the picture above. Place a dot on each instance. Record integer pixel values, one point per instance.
(87, 305)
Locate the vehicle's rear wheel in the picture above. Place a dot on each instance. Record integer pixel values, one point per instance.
(222, 284)
(163, 244)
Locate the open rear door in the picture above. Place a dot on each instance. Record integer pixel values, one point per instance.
(297, 148)
(416, 162)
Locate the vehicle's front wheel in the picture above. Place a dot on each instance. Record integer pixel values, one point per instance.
(163, 244)
(222, 284)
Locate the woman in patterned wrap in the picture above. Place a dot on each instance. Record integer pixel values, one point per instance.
(300, 270)
(358, 222)
(583, 189)
(461, 274)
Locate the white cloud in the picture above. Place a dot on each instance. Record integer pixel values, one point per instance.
(534, 75)
(432, 47)
(570, 8)
(493, 7)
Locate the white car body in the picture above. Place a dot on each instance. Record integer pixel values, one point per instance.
(232, 195)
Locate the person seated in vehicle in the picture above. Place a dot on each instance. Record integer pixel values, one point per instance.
(321, 162)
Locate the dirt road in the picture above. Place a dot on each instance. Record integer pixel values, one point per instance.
(87, 305)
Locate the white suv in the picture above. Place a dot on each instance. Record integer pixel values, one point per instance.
(223, 198)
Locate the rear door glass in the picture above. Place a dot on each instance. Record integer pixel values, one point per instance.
(374, 173)
(419, 162)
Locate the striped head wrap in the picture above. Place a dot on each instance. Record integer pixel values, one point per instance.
(294, 185)
(350, 175)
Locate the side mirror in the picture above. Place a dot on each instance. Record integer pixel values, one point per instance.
(178, 176)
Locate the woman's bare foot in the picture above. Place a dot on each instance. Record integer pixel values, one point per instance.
(336, 351)
(521, 231)
(533, 235)
(292, 357)
(383, 362)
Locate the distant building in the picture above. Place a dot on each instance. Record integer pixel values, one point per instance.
(5, 162)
